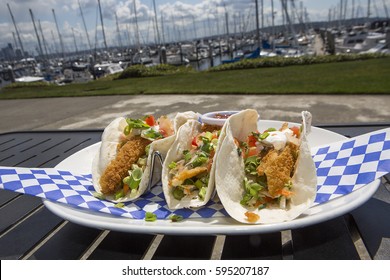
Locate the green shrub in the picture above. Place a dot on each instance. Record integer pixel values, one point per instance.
(139, 71)
(29, 85)
(279, 61)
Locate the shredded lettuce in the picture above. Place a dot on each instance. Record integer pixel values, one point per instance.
(151, 134)
(251, 164)
(134, 123)
(251, 191)
(134, 178)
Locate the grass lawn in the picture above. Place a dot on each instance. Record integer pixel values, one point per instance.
(354, 77)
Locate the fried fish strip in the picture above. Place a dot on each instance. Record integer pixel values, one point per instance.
(186, 174)
(118, 168)
(278, 168)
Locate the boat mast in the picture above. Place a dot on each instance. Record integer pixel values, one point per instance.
(227, 25)
(273, 17)
(16, 29)
(162, 29)
(257, 25)
(96, 29)
(385, 8)
(368, 9)
(341, 13)
(284, 5)
(101, 20)
(262, 14)
(36, 33)
(136, 26)
(176, 33)
(85, 26)
(43, 38)
(295, 12)
(74, 40)
(194, 26)
(118, 31)
(15, 42)
(59, 34)
(376, 9)
(54, 40)
(155, 19)
(345, 10)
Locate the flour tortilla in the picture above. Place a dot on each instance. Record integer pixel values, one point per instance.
(107, 152)
(183, 140)
(230, 172)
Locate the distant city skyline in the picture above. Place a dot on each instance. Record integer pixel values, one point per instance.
(179, 20)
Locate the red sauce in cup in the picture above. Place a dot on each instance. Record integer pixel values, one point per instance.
(222, 116)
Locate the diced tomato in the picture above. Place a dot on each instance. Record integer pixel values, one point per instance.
(150, 120)
(194, 142)
(252, 141)
(296, 131)
(252, 151)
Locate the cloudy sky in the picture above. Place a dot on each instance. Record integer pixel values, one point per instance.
(179, 19)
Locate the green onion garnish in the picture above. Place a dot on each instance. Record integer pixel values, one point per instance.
(150, 217)
(176, 218)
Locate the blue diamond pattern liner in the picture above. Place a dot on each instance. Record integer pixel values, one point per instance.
(345, 166)
(342, 167)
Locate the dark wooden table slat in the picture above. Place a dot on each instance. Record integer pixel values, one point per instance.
(18, 208)
(120, 245)
(185, 247)
(24, 237)
(260, 246)
(329, 240)
(69, 243)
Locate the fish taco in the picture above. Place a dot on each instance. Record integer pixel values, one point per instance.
(266, 176)
(122, 167)
(188, 170)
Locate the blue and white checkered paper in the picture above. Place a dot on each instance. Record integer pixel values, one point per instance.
(342, 167)
(345, 166)
(77, 190)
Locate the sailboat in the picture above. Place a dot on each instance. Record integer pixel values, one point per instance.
(254, 54)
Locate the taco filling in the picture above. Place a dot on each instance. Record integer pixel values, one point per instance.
(189, 176)
(270, 158)
(123, 174)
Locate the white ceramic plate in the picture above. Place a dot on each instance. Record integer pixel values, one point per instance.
(81, 162)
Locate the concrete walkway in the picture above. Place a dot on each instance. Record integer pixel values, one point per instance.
(97, 112)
